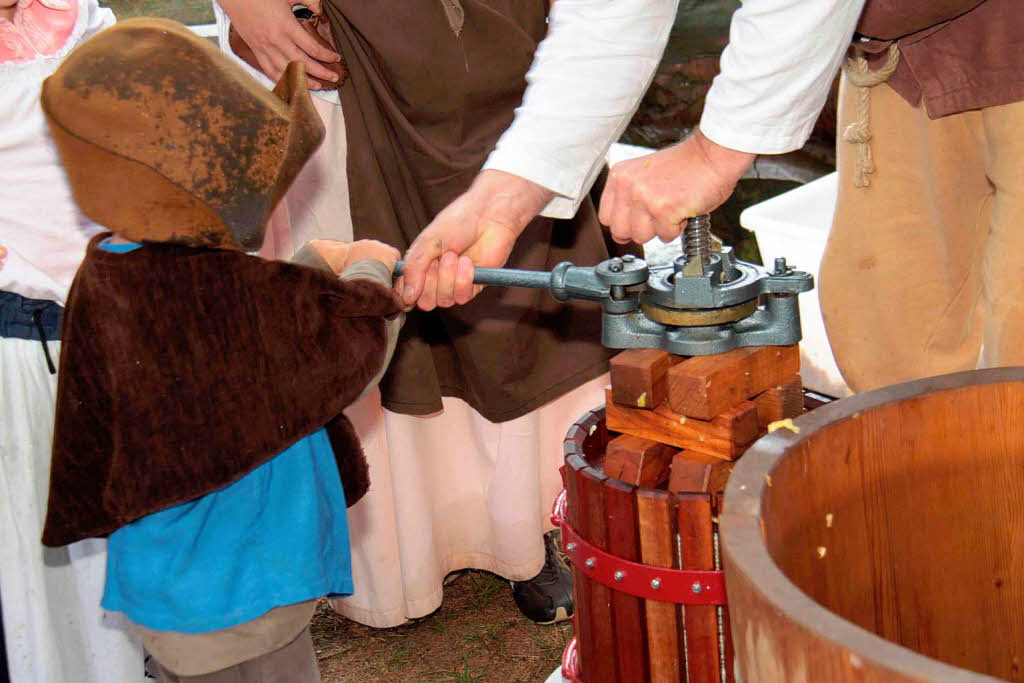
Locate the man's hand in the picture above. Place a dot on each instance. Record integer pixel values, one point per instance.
(276, 38)
(3, 256)
(653, 195)
(477, 229)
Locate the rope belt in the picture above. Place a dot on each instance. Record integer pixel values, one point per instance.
(859, 132)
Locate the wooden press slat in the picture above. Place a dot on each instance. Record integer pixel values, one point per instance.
(730, 650)
(627, 610)
(657, 525)
(581, 584)
(596, 436)
(602, 667)
(698, 552)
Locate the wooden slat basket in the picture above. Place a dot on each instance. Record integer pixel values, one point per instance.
(649, 588)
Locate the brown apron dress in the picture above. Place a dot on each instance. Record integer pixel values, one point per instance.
(426, 102)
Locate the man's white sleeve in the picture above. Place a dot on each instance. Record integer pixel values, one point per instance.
(776, 72)
(587, 79)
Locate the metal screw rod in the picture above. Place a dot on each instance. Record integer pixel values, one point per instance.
(697, 239)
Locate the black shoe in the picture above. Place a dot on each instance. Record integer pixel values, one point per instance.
(547, 597)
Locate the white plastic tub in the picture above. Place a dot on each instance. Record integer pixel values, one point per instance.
(795, 225)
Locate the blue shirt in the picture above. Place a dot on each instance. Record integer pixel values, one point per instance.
(277, 536)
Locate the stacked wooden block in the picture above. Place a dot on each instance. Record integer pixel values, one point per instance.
(682, 421)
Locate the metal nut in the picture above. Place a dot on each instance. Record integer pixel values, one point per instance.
(570, 547)
(696, 587)
(619, 575)
(590, 562)
(655, 584)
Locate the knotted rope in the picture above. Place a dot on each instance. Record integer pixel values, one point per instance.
(859, 132)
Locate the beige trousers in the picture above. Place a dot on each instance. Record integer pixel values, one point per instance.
(295, 662)
(924, 269)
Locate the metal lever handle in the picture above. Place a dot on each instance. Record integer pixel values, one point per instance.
(565, 281)
(502, 277)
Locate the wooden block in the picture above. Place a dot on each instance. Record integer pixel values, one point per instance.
(637, 461)
(769, 366)
(693, 472)
(627, 610)
(704, 386)
(780, 402)
(697, 546)
(724, 437)
(638, 377)
(656, 520)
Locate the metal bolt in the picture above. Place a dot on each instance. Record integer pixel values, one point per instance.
(590, 562)
(696, 587)
(628, 258)
(619, 575)
(780, 266)
(616, 265)
(570, 547)
(655, 584)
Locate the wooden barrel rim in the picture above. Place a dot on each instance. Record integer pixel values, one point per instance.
(743, 542)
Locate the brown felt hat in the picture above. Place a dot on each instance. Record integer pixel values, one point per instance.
(165, 139)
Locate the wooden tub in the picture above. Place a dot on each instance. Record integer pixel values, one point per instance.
(885, 540)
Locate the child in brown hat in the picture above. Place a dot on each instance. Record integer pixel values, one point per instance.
(199, 409)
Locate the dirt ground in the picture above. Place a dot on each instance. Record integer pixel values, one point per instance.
(476, 635)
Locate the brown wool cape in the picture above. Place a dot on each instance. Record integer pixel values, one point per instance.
(184, 369)
(426, 101)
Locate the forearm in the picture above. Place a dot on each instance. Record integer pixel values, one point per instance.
(375, 271)
(587, 79)
(362, 269)
(776, 72)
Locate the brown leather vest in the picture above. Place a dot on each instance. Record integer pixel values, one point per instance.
(955, 55)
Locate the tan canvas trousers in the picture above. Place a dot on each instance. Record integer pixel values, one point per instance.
(295, 662)
(923, 272)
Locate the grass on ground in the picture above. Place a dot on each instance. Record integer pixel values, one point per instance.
(478, 634)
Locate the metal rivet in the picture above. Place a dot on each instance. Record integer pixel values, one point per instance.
(655, 584)
(696, 588)
(570, 547)
(628, 258)
(619, 575)
(590, 562)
